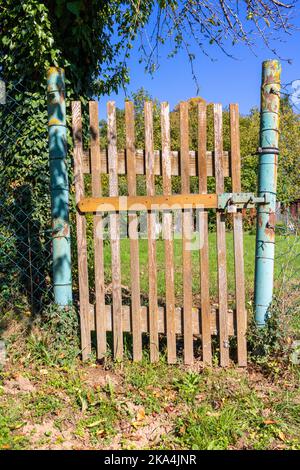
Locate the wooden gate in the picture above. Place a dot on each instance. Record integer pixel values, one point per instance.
(204, 321)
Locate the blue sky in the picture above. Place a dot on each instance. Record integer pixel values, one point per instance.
(224, 80)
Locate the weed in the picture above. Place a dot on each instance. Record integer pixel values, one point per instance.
(205, 428)
(188, 386)
(11, 422)
(55, 337)
(42, 404)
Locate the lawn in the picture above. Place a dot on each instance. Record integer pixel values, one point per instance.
(286, 261)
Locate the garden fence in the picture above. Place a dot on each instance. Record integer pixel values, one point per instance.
(155, 316)
(25, 233)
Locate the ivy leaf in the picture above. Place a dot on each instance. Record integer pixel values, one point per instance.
(74, 7)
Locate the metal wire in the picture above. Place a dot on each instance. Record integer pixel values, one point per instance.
(25, 236)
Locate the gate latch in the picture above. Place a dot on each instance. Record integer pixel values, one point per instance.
(231, 202)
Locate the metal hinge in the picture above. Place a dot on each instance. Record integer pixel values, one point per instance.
(231, 202)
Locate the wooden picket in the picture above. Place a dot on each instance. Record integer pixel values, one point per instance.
(115, 232)
(186, 236)
(241, 317)
(205, 320)
(151, 219)
(133, 235)
(221, 239)
(97, 230)
(168, 236)
(204, 255)
(81, 232)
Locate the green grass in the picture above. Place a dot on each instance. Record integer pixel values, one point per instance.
(154, 406)
(285, 251)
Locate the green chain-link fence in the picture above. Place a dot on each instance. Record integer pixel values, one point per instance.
(25, 230)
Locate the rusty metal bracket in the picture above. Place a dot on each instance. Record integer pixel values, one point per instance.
(231, 202)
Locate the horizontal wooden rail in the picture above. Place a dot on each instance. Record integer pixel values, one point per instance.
(139, 203)
(140, 162)
(144, 319)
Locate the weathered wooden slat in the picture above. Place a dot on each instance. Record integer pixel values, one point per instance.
(241, 313)
(138, 203)
(151, 218)
(115, 232)
(97, 231)
(175, 162)
(203, 222)
(186, 236)
(221, 239)
(133, 234)
(83, 279)
(168, 235)
(162, 323)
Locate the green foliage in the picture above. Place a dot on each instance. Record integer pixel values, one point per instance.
(265, 342)
(55, 339)
(289, 160)
(206, 429)
(10, 418)
(271, 346)
(86, 37)
(188, 386)
(43, 404)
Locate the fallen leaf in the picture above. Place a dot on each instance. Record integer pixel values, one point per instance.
(141, 415)
(84, 404)
(281, 436)
(182, 430)
(169, 409)
(213, 413)
(135, 424)
(17, 425)
(95, 423)
(269, 421)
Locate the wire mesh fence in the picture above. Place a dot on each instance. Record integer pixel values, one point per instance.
(25, 229)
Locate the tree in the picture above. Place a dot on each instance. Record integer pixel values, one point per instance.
(289, 160)
(86, 37)
(92, 39)
(197, 25)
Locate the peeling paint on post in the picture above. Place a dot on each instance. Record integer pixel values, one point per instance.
(59, 186)
(268, 160)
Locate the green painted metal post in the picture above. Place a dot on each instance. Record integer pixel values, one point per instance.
(268, 159)
(59, 186)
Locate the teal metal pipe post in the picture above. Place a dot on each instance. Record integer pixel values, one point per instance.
(267, 182)
(61, 246)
